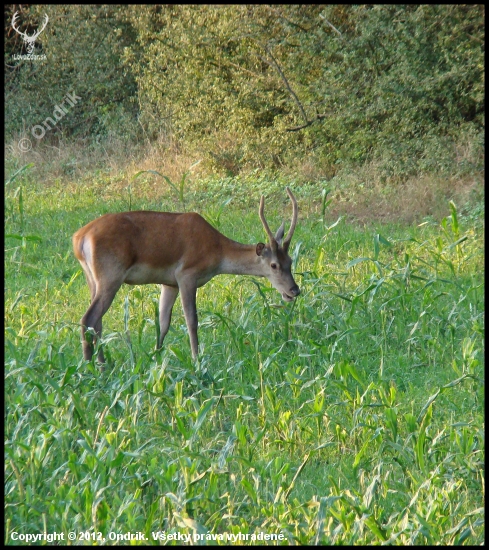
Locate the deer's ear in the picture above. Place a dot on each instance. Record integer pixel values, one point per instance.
(259, 249)
(280, 234)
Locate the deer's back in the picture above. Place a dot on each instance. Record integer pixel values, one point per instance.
(151, 238)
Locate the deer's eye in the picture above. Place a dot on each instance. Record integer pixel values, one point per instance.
(273, 266)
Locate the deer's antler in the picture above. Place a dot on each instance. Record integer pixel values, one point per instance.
(295, 211)
(271, 238)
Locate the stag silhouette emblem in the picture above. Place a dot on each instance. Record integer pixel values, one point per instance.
(28, 40)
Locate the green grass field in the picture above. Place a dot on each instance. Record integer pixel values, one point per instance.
(354, 415)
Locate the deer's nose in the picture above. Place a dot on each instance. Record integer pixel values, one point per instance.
(295, 290)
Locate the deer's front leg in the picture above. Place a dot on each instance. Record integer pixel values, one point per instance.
(188, 291)
(167, 300)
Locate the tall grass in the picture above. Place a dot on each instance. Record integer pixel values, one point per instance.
(352, 416)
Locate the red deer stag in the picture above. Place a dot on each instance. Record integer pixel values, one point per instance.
(181, 252)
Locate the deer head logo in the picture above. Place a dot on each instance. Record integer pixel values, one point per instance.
(28, 40)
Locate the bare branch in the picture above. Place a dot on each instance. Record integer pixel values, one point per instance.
(307, 122)
(287, 85)
(475, 38)
(297, 128)
(331, 25)
(272, 9)
(239, 67)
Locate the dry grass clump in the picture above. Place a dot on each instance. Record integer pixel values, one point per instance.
(75, 160)
(363, 194)
(407, 202)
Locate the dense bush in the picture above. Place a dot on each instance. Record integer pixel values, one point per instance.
(83, 46)
(266, 86)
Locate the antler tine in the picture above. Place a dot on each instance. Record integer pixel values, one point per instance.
(46, 20)
(271, 238)
(295, 212)
(14, 22)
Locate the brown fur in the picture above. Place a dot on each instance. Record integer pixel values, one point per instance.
(179, 251)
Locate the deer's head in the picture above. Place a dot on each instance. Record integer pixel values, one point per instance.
(277, 263)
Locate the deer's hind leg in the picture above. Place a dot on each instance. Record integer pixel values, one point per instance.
(103, 288)
(93, 318)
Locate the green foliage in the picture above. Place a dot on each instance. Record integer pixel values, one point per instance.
(83, 45)
(180, 190)
(391, 85)
(399, 86)
(354, 415)
(403, 75)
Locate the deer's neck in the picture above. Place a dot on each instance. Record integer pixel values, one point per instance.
(240, 259)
